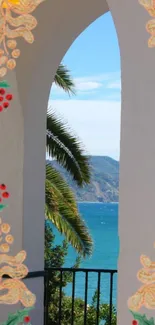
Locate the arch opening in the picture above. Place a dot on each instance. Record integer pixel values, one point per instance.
(109, 84)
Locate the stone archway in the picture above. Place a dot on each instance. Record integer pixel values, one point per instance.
(59, 24)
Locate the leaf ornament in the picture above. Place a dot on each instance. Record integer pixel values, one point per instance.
(4, 84)
(15, 21)
(20, 317)
(149, 5)
(2, 206)
(13, 290)
(145, 295)
(141, 319)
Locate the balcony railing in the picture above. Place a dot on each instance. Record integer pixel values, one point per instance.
(105, 289)
(105, 285)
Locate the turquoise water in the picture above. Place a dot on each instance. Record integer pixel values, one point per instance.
(102, 220)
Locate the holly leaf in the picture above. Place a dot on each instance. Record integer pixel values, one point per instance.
(2, 206)
(142, 319)
(151, 321)
(4, 84)
(18, 317)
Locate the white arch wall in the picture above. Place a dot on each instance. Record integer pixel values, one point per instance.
(23, 147)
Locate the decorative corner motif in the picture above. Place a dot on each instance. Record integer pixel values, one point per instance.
(149, 5)
(145, 295)
(15, 21)
(13, 290)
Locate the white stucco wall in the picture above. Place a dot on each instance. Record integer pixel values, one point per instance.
(22, 129)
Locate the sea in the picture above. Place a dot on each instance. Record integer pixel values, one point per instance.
(102, 221)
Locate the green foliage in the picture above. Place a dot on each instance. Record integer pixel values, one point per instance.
(62, 210)
(66, 309)
(64, 80)
(142, 319)
(55, 257)
(79, 312)
(104, 184)
(67, 150)
(61, 207)
(18, 317)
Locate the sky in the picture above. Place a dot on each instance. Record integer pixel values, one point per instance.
(94, 113)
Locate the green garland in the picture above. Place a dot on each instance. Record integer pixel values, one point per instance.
(18, 317)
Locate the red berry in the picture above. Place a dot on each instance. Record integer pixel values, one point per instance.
(5, 195)
(9, 97)
(27, 319)
(1, 108)
(1, 98)
(134, 322)
(5, 104)
(3, 187)
(2, 91)
(0, 199)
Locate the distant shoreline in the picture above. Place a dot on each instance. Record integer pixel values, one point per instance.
(104, 184)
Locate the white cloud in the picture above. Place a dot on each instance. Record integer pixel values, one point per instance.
(115, 85)
(86, 84)
(100, 77)
(97, 123)
(56, 90)
(80, 86)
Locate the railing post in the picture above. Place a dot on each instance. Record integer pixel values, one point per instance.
(86, 286)
(111, 295)
(86, 297)
(46, 294)
(60, 296)
(73, 297)
(98, 298)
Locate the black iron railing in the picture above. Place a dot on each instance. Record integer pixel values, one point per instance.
(58, 274)
(53, 275)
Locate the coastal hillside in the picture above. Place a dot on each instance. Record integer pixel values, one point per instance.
(104, 181)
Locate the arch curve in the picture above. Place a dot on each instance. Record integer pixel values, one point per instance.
(59, 23)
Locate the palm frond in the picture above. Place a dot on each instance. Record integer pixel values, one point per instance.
(67, 150)
(54, 177)
(64, 80)
(62, 210)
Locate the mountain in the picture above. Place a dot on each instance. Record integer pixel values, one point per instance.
(104, 180)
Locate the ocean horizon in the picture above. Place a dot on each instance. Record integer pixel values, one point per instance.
(102, 221)
(86, 202)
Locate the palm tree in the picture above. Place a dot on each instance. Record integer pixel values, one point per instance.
(63, 80)
(61, 207)
(67, 150)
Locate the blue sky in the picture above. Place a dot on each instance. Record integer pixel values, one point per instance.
(94, 113)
